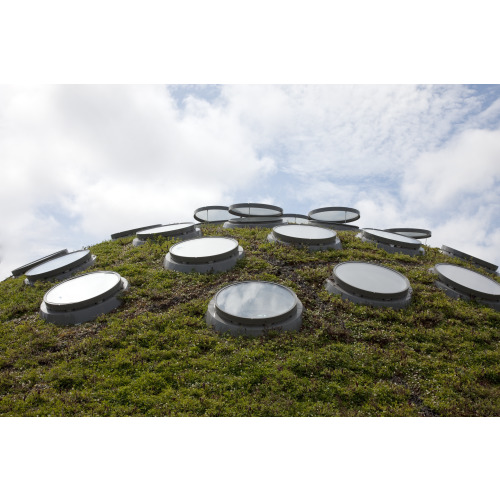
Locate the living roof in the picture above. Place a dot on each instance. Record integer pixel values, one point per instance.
(155, 355)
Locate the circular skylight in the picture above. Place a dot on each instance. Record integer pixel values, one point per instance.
(130, 232)
(467, 283)
(411, 232)
(392, 242)
(80, 292)
(255, 210)
(295, 219)
(170, 229)
(214, 213)
(203, 250)
(334, 214)
(251, 307)
(22, 269)
(314, 237)
(370, 284)
(81, 299)
(252, 222)
(61, 267)
(203, 255)
(452, 252)
(182, 230)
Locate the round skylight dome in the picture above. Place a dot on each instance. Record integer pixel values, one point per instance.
(452, 252)
(130, 232)
(392, 242)
(459, 282)
(181, 231)
(255, 210)
(370, 284)
(411, 232)
(252, 222)
(61, 267)
(203, 255)
(312, 237)
(83, 298)
(212, 214)
(251, 308)
(22, 269)
(334, 214)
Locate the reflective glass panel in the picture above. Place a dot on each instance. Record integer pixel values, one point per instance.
(256, 211)
(58, 263)
(204, 247)
(305, 232)
(469, 279)
(212, 215)
(166, 229)
(391, 236)
(371, 278)
(255, 300)
(83, 288)
(334, 215)
(412, 234)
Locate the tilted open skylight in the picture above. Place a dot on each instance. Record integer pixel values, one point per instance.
(483, 264)
(255, 210)
(61, 267)
(181, 231)
(392, 242)
(26, 267)
(460, 282)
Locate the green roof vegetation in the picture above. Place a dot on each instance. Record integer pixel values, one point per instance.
(155, 355)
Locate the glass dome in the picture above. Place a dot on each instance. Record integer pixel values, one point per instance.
(252, 307)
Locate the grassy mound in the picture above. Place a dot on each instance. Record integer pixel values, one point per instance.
(155, 356)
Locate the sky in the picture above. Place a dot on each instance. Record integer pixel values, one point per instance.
(80, 162)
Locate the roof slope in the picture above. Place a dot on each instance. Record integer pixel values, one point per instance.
(155, 355)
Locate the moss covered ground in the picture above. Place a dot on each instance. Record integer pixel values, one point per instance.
(155, 356)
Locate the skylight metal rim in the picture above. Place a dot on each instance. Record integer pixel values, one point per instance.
(389, 241)
(238, 320)
(334, 226)
(83, 304)
(205, 260)
(59, 270)
(335, 209)
(304, 241)
(165, 234)
(233, 209)
(19, 271)
(210, 207)
(258, 220)
(469, 258)
(462, 288)
(425, 232)
(131, 232)
(366, 293)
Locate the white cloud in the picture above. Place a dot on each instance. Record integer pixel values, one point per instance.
(468, 166)
(105, 158)
(82, 162)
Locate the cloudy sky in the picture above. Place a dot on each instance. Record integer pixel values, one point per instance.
(81, 162)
